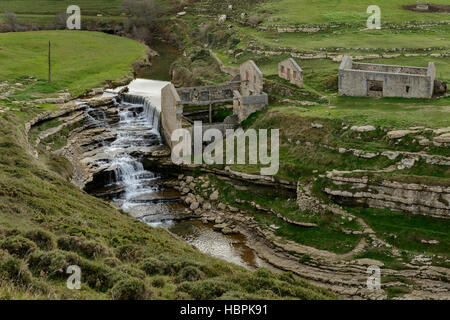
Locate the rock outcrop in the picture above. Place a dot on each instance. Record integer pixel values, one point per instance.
(432, 200)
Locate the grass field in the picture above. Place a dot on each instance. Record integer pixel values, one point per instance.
(323, 11)
(376, 39)
(76, 62)
(43, 7)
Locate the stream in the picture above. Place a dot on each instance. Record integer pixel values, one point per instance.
(141, 192)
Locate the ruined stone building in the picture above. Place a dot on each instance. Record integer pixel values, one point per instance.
(291, 71)
(244, 92)
(379, 80)
(250, 98)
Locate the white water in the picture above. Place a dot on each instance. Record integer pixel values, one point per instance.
(137, 129)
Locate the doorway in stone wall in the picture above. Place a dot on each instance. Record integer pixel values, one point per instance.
(374, 88)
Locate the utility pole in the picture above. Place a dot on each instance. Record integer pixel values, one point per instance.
(49, 63)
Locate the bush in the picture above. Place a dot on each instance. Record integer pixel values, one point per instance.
(14, 270)
(52, 263)
(43, 239)
(129, 289)
(205, 290)
(89, 249)
(112, 262)
(190, 273)
(98, 276)
(131, 271)
(153, 266)
(130, 252)
(159, 282)
(18, 245)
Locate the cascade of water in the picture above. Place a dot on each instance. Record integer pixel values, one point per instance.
(151, 113)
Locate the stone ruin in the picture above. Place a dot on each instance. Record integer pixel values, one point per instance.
(291, 71)
(380, 80)
(244, 92)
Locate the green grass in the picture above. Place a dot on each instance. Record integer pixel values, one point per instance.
(322, 11)
(405, 231)
(386, 112)
(76, 64)
(375, 39)
(111, 7)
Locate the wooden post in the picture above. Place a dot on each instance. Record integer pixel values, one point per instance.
(49, 63)
(210, 114)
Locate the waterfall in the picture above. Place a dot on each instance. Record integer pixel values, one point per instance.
(151, 112)
(137, 130)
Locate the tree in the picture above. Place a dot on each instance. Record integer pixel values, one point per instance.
(141, 18)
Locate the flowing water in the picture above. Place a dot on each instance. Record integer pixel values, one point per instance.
(140, 192)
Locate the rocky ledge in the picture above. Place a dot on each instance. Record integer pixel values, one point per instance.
(432, 200)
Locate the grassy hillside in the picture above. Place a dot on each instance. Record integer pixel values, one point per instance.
(323, 11)
(47, 224)
(76, 64)
(111, 7)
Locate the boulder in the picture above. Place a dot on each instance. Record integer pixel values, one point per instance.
(214, 196)
(189, 179)
(397, 134)
(194, 205)
(222, 206)
(444, 138)
(219, 227)
(366, 128)
(207, 206)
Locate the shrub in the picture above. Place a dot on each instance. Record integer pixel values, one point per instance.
(190, 273)
(130, 252)
(87, 248)
(14, 270)
(98, 276)
(129, 289)
(53, 263)
(206, 289)
(18, 245)
(39, 286)
(43, 239)
(153, 266)
(159, 282)
(131, 271)
(111, 262)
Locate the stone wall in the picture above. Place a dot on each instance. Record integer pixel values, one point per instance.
(358, 79)
(243, 106)
(291, 71)
(207, 94)
(432, 200)
(171, 112)
(251, 79)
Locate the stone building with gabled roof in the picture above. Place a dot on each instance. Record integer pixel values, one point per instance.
(291, 71)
